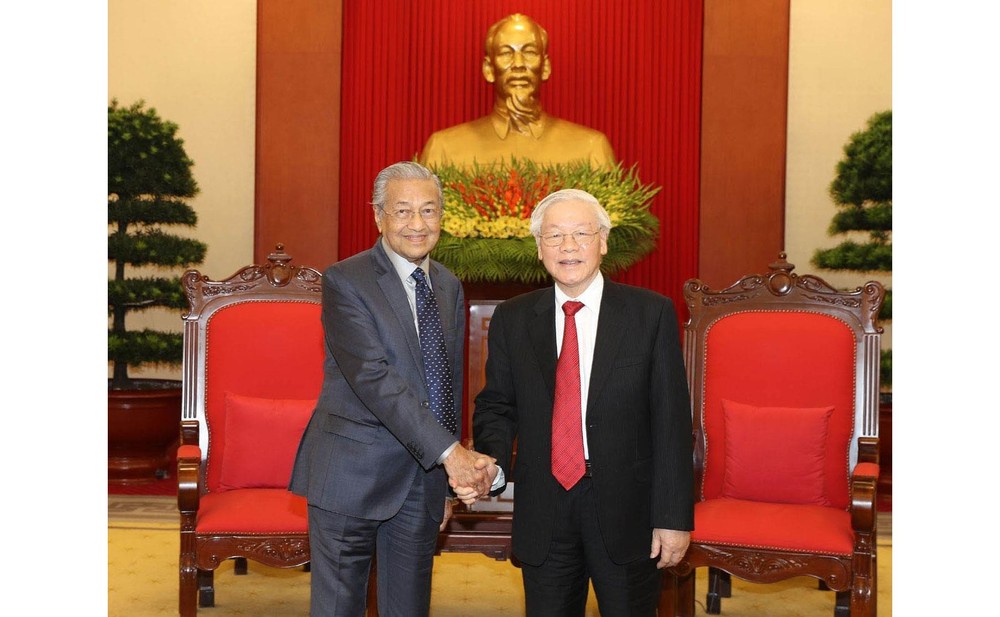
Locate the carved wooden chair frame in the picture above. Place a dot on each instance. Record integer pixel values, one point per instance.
(201, 554)
(852, 576)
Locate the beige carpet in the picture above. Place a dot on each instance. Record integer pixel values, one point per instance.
(142, 578)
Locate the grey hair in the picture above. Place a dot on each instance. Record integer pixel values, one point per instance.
(603, 220)
(403, 170)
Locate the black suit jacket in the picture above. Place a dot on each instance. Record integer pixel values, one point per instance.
(638, 419)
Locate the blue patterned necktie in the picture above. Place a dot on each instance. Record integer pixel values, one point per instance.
(437, 371)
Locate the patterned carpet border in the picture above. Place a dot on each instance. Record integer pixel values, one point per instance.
(129, 510)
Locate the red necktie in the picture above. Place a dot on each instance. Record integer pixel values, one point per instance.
(567, 427)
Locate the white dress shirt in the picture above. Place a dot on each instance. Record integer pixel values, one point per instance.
(586, 336)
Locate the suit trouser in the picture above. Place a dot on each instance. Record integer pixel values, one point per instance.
(558, 587)
(341, 552)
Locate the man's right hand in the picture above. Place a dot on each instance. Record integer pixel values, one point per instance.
(470, 470)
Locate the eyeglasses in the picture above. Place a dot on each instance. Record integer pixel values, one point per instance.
(428, 213)
(582, 238)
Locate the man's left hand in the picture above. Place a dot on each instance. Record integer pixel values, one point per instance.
(669, 545)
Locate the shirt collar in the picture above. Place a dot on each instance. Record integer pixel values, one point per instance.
(591, 297)
(404, 268)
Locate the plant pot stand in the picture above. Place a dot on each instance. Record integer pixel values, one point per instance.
(143, 431)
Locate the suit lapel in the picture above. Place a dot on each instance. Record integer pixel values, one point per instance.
(610, 334)
(392, 288)
(542, 338)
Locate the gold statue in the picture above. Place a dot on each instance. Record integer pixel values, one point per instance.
(516, 63)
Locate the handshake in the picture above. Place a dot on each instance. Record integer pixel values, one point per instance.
(470, 474)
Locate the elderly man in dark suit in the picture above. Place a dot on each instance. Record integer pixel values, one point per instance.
(375, 460)
(588, 378)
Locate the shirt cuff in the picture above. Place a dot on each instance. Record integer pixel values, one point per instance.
(445, 454)
(498, 481)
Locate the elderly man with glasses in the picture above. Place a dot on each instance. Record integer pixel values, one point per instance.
(382, 446)
(588, 378)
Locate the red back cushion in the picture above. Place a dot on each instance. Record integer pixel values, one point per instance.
(780, 359)
(262, 436)
(776, 454)
(264, 350)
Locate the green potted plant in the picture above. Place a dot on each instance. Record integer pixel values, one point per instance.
(149, 179)
(862, 190)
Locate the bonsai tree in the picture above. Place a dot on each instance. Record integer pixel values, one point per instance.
(862, 190)
(149, 177)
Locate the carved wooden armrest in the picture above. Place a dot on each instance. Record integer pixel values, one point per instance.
(864, 487)
(188, 471)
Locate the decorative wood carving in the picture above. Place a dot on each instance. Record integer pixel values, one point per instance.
(278, 551)
(267, 279)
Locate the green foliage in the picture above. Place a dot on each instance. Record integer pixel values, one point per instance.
(145, 156)
(862, 190)
(142, 293)
(877, 219)
(865, 173)
(145, 347)
(158, 209)
(850, 255)
(149, 178)
(485, 230)
(154, 248)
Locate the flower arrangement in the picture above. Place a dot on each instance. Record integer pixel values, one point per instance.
(487, 213)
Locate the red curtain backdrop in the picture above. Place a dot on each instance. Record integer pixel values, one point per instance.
(631, 69)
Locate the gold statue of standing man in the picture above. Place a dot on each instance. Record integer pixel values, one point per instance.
(516, 63)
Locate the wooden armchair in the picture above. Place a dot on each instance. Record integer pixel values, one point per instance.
(252, 370)
(783, 371)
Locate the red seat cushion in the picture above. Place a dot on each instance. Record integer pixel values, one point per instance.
(787, 527)
(252, 510)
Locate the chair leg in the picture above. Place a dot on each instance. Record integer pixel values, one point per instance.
(239, 565)
(720, 586)
(723, 582)
(676, 595)
(206, 588)
(188, 592)
(842, 608)
(683, 597)
(667, 606)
